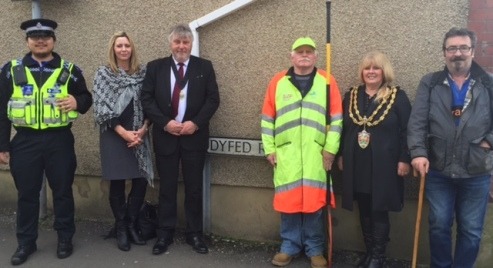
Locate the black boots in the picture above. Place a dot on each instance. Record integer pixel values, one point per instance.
(126, 215)
(380, 239)
(119, 209)
(133, 209)
(376, 237)
(366, 229)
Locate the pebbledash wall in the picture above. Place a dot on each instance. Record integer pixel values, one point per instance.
(247, 47)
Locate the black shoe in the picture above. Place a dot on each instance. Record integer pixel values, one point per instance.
(64, 249)
(161, 245)
(21, 254)
(197, 243)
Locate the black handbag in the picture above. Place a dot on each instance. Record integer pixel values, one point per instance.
(148, 220)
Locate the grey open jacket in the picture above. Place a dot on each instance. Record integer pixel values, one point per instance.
(452, 150)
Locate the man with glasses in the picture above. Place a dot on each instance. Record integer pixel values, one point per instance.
(41, 95)
(450, 136)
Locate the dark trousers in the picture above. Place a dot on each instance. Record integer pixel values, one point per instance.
(192, 165)
(50, 152)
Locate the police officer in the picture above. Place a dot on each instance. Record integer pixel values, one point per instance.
(40, 95)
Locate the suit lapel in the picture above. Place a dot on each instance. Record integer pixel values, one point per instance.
(166, 76)
(191, 72)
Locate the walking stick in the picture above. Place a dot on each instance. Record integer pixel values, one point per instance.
(330, 204)
(329, 179)
(418, 216)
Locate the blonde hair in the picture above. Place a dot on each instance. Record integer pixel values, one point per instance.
(380, 60)
(112, 62)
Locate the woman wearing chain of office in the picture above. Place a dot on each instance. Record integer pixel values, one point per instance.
(374, 152)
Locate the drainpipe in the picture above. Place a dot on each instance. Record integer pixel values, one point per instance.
(36, 9)
(203, 21)
(213, 16)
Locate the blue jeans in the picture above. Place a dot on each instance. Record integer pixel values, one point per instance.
(463, 198)
(303, 230)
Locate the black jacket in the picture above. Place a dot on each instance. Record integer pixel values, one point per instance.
(202, 103)
(388, 147)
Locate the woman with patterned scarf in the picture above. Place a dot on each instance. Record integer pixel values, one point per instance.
(124, 140)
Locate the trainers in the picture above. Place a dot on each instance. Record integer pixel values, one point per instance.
(318, 261)
(281, 259)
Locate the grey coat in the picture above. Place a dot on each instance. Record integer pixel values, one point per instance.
(452, 150)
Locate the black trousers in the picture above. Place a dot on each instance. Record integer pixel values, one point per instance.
(192, 165)
(50, 152)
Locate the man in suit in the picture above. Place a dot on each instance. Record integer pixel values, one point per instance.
(180, 95)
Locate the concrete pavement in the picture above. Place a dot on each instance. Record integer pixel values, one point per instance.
(91, 250)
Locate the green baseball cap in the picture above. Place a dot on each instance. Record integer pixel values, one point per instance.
(303, 41)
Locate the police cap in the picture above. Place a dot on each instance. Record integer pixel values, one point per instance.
(39, 27)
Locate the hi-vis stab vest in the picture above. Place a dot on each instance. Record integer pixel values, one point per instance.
(296, 129)
(36, 108)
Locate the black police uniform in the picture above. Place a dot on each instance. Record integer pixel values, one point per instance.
(34, 152)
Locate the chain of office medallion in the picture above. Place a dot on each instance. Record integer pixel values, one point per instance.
(353, 104)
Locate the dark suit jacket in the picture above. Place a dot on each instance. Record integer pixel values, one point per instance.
(202, 103)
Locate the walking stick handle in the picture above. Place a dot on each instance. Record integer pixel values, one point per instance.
(418, 215)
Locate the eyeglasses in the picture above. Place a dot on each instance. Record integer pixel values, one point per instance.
(462, 49)
(40, 37)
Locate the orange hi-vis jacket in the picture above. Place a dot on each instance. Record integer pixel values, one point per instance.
(297, 129)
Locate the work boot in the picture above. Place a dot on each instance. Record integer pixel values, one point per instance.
(133, 209)
(380, 240)
(118, 207)
(281, 259)
(318, 261)
(368, 239)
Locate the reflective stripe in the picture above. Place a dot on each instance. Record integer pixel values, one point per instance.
(336, 129)
(289, 186)
(336, 117)
(299, 183)
(18, 121)
(268, 131)
(51, 120)
(315, 107)
(315, 184)
(287, 126)
(296, 123)
(268, 119)
(288, 108)
(17, 104)
(314, 124)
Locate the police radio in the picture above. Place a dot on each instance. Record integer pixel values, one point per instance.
(19, 73)
(63, 77)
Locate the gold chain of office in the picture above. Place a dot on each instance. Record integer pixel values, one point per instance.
(368, 121)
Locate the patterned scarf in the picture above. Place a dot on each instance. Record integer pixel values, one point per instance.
(112, 94)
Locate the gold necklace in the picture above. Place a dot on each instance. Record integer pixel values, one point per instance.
(364, 136)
